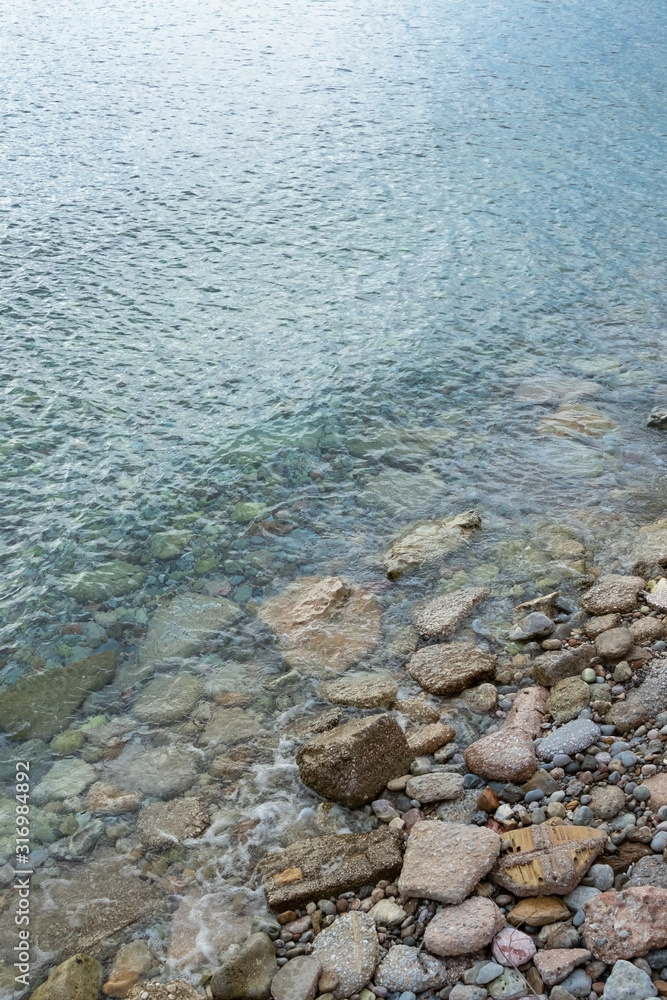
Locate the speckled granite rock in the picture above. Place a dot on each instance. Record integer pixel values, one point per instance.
(164, 824)
(444, 861)
(569, 739)
(449, 667)
(626, 924)
(404, 968)
(440, 616)
(613, 593)
(349, 947)
(459, 930)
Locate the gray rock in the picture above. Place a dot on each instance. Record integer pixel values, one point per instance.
(627, 982)
(169, 544)
(404, 968)
(578, 983)
(489, 972)
(450, 667)
(582, 894)
(352, 763)
(66, 778)
(549, 668)
(601, 877)
(461, 992)
(350, 948)
(560, 993)
(440, 616)
(113, 579)
(168, 698)
(649, 870)
(161, 772)
(434, 787)
(329, 865)
(227, 726)
(614, 644)
(533, 626)
(76, 847)
(298, 979)
(643, 702)
(567, 699)
(613, 593)
(569, 739)
(460, 810)
(246, 972)
(180, 628)
(597, 625)
(165, 824)
(444, 861)
(607, 801)
(510, 986)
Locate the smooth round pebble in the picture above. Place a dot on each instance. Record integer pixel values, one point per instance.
(628, 758)
(583, 816)
(488, 973)
(642, 793)
(408, 995)
(579, 918)
(588, 675)
(659, 842)
(534, 795)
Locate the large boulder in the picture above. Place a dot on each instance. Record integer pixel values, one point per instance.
(449, 667)
(181, 627)
(324, 866)
(428, 542)
(323, 625)
(42, 703)
(353, 762)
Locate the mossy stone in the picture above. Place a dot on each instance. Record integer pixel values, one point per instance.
(113, 579)
(68, 742)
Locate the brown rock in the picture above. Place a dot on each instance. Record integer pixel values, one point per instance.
(509, 754)
(538, 912)
(482, 699)
(458, 930)
(428, 739)
(626, 924)
(352, 763)
(488, 800)
(614, 644)
(627, 854)
(325, 866)
(449, 667)
(441, 616)
(627, 715)
(363, 690)
(77, 978)
(546, 860)
(323, 624)
(418, 709)
(429, 541)
(613, 593)
(541, 779)
(444, 861)
(549, 668)
(657, 785)
(108, 800)
(556, 964)
(647, 629)
(230, 725)
(132, 961)
(314, 724)
(598, 624)
(164, 824)
(568, 697)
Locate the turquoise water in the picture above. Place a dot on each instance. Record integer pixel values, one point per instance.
(341, 260)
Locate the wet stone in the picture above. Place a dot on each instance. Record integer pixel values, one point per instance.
(66, 778)
(113, 579)
(441, 616)
(181, 627)
(163, 824)
(428, 542)
(161, 772)
(533, 626)
(434, 787)
(450, 667)
(168, 698)
(246, 972)
(77, 978)
(362, 690)
(549, 668)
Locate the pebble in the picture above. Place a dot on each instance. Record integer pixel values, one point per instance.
(513, 947)
(488, 972)
(570, 738)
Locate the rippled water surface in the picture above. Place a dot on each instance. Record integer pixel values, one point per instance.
(356, 264)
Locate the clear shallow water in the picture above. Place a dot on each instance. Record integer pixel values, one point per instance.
(333, 258)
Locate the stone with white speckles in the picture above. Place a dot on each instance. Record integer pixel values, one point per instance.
(569, 739)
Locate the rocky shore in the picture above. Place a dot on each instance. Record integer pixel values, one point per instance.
(479, 817)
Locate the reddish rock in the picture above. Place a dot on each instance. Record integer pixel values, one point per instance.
(428, 739)
(458, 930)
(626, 924)
(509, 755)
(555, 964)
(513, 947)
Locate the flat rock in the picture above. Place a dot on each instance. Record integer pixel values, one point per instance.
(577, 420)
(627, 982)
(547, 860)
(643, 702)
(555, 964)
(177, 989)
(657, 785)
(324, 866)
(298, 979)
(363, 690)
(607, 801)
(168, 698)
(67, 777)
(181, 627)
(434, 787)
(549, 668)
(246, 973)
(626, 924)
(352, 763)
(428, 739)
(613, 593)
(387, 914)
(42, 703)
(112, 579)
(570, 738)
(601, 623)
(429, 541)
(555, 389)
(169, 544)
(445, 861)
(77, 978)
(108, 800)
(350, 948)
(614, 644)
(405, 968)
(459, 930)
(649, 543)
(567, 699)
(539, 911)
(510, 986)
(228, 726)
(323, 625)
(449, 667)
(161, 772)
(441, 616)
(164, 824)
(647, 629)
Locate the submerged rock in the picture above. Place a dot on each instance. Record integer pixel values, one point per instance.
(324, 866)
(168, 698)
(549, 668)
(169, 544)
(41, 704)
(449, 667)
(162, 772)
(353, 762)
(113, 579)
(363, 690)
(441, 615)
(163, 824)
(246, 972)
(428, 542)
(323, 625)
(66, 778)
(175, 990)
(181, 627)
(132, 961)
